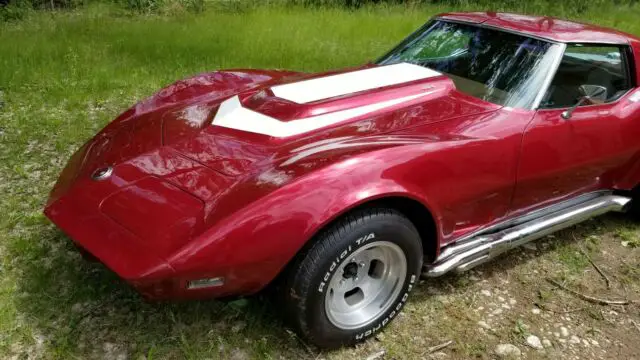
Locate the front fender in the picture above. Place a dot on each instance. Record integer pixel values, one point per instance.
(250, 247)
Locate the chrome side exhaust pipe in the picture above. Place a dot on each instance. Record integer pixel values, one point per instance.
(477, 250)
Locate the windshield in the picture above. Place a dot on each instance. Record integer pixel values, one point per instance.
(496, 66)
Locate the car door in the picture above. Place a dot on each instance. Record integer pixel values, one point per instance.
(586, 149)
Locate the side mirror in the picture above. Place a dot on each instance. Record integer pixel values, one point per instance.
(593, 93)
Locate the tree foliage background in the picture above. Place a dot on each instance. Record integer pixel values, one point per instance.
(16, 9)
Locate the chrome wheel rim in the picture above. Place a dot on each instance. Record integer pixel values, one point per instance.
(365, 285)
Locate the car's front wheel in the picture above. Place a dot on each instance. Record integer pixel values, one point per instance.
(354, 279)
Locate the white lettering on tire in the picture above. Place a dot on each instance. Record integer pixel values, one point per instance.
(390, 316)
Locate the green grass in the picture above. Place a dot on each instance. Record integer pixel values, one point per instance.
(65, 75)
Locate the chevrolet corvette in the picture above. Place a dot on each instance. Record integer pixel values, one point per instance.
(476, 134)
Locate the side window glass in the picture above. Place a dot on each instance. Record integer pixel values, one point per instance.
(585, 67)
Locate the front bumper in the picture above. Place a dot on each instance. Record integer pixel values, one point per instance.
(137, 261)
(115, 247)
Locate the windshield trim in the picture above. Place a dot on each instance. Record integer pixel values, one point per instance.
(550, 75)
(498, 28)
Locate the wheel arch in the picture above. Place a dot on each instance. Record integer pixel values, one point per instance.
(417, 212)
(421, 217)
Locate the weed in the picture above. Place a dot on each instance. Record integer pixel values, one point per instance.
(521, 329)
(628, 237)
(574, 262)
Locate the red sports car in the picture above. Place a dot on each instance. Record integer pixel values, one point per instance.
(476, 134)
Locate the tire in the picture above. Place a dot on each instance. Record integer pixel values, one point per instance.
(325, 287)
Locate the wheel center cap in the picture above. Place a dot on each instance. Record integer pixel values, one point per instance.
(350, 270)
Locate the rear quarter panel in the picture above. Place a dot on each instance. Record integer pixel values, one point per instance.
(628, 176)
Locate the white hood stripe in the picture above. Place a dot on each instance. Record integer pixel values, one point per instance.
(233, 115)
(306, 91)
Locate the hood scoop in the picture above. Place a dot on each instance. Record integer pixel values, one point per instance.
(330, 101)
(321, 88)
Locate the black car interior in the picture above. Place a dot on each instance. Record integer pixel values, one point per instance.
(607, 71)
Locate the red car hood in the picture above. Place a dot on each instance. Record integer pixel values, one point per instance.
(268, 120)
